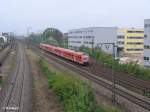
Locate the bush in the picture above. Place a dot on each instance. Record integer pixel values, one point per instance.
(75, 95)
(108, 61)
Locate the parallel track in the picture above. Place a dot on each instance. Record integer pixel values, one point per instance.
(11, 47)
(144, 103)
(128, 81)
(125, 80)
(13, 97)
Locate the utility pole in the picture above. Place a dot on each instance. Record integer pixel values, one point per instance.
(100, 45)
(92, 43)
(114, 76)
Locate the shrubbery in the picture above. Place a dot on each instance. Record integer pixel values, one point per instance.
(108, 61)
(1, 82)
(75, 95)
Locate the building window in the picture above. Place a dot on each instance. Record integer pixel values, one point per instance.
(134, 49)
(85, 42)
(130, 31)
(135, 43)
(91, 42)
(146, 58)
(120, 43)
(146, 46)
(75, 41)
(145, 36)
(135, 37)
(88, 36)
(120, 37)
(146, 25)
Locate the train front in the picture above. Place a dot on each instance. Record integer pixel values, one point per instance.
(85, 59)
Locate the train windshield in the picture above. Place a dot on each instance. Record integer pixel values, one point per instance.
(84, 53)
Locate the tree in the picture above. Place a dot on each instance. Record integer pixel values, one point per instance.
(1, 40)
(54, 33)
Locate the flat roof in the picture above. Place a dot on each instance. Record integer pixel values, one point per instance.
(131, 28)
(146, 19)
(92, 28)
(69, 50)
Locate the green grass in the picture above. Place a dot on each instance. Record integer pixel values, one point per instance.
(108, 61)
(74, 94)
(131, 68)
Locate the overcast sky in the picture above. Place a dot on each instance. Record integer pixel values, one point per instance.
(17, 15)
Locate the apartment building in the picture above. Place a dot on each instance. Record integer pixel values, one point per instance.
(92, 37)
(147, 42)
(130, 41)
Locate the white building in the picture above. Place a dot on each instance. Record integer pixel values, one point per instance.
(92, 37)
(147, 42)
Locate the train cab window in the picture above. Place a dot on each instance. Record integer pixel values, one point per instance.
(85, 54)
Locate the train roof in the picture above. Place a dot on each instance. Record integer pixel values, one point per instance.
(67, 50)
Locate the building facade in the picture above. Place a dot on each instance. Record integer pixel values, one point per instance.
(147, 42)
(92, 37)
(130, 41)
(65, 35)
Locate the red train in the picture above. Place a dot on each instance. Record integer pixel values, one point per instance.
(78, 57)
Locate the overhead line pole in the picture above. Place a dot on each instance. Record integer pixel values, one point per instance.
(113, 75)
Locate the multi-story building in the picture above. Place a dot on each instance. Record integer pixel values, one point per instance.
(147, 42)
(92, 37)
(130, 41)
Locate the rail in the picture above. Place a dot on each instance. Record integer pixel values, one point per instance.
(141, 101)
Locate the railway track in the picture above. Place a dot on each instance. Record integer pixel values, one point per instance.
(15, 96)
(125, 80)
(128, 81)
(134, 98)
